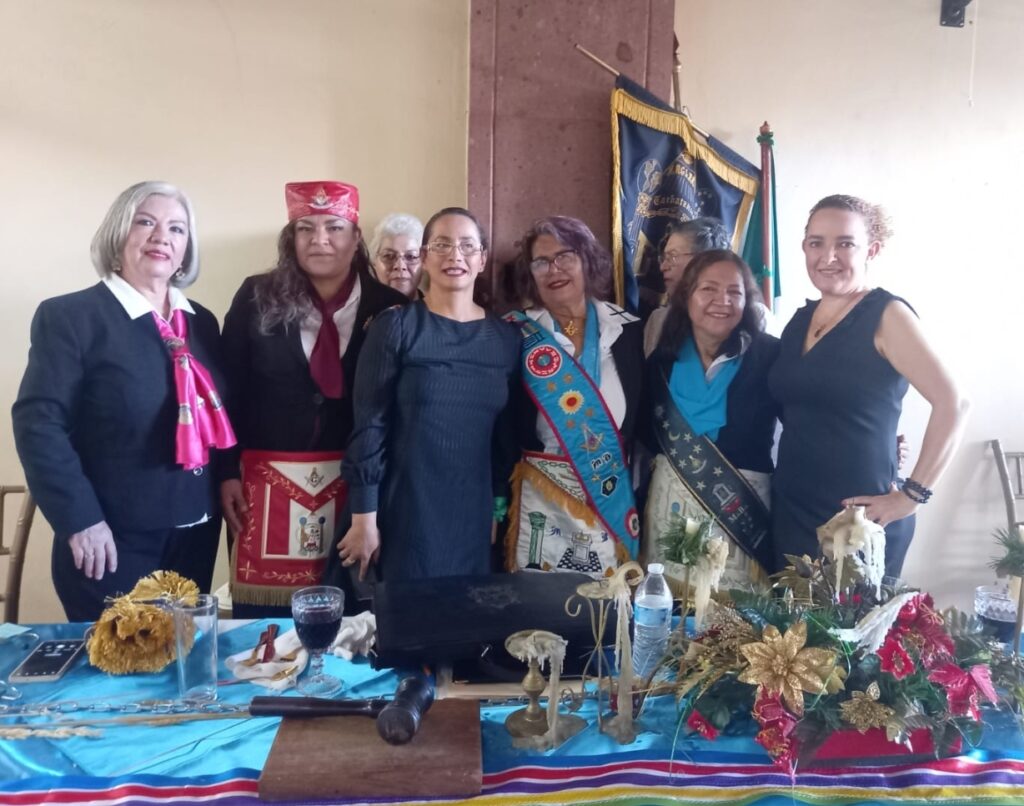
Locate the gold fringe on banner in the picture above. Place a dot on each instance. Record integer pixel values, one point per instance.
(679, 125)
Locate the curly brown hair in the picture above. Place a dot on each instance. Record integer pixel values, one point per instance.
(575, 235)
(876, 220)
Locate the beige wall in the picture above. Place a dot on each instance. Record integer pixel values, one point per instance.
(232, 99)
(874, 98)
(228, 99)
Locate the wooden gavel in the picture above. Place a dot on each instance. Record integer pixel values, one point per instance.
(398, 718)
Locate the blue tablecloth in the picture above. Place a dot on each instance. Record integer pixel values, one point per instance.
(219, 761)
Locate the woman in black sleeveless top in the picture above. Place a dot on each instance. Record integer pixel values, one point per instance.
(844, 366)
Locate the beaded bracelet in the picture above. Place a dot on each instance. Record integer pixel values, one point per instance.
(916, 492)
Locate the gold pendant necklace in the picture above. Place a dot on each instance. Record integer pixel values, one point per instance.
(822, 328)
(570, 329)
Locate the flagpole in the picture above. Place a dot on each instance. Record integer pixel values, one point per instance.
(601, 62)
(677, 68)
(766, 141)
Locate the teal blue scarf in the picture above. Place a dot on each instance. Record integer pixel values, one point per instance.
(701, 402)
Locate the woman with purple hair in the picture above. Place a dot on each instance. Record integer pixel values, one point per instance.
(572, 503)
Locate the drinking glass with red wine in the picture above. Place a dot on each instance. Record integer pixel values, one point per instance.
(317, 613)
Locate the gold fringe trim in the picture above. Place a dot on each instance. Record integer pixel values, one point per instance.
(551, 493)
(262, 594)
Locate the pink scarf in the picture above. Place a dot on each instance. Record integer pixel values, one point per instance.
(202, 421)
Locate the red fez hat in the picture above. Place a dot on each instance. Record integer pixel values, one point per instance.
(322, 198)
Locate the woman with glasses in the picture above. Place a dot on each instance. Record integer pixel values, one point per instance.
(711, 423)
(582, 364)
(396, 253)
(682, 241)
(292, 341)
(433, 380)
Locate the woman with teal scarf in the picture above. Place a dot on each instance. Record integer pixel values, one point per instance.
(572, 506)
(712, 422)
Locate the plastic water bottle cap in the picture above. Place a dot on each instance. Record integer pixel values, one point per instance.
(655, 568)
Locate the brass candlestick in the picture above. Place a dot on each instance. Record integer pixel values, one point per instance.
(531, 720)
(532, 726)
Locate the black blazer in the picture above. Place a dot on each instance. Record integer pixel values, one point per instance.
(96, 414)
(273, 401)
(751, 412)
(628, 354)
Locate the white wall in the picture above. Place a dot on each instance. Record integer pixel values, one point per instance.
(874, 98)
(228, 99)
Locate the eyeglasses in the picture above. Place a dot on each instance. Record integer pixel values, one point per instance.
(565, 260)
(675, 259)
(392, 258)
(446, 248)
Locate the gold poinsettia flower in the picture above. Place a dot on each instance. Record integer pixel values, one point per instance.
(864, 711)
(781, 663)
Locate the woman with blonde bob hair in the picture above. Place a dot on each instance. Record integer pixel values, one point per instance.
(118, 415)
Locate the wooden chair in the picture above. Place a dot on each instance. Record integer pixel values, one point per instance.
(16, 551)
(1011, 475)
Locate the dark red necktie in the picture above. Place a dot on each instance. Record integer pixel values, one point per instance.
(325, 360)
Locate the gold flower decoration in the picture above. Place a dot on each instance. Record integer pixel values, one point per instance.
(136, 631)
(781, 663)
(168, 585)
(864, 711)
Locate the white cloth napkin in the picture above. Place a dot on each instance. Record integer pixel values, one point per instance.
(356, 636)
(277, 674)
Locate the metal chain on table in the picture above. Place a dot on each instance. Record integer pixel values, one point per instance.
(144, 707)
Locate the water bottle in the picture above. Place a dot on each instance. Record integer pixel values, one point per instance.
(652, 614)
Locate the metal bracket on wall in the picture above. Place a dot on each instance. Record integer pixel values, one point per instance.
(953, 13)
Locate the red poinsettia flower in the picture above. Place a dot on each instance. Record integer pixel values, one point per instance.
(894, 658)
(918, 616)
(779, 746)
(698, 723)
(770, 712)
(981, 676)
(961, 691)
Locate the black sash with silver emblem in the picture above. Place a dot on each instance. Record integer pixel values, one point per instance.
(711, 478)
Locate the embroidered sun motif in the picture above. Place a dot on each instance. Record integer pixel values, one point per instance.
(571, 401)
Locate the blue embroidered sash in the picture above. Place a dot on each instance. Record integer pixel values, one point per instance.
(585, 430)
(711, 478)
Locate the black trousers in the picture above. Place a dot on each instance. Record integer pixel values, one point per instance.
(191, 551)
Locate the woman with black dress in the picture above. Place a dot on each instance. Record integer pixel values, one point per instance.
(433, 380)
(844, 366)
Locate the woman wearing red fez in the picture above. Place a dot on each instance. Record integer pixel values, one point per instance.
(292, 339)
(427, 454)
(118, 415)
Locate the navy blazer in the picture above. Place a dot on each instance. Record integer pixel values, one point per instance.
(274, 403)
(748, 435)
(96, 417)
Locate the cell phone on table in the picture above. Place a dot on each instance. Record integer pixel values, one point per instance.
(48, 661)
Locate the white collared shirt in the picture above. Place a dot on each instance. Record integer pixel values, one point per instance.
(136, 305)
(610, 319)
(344, 320)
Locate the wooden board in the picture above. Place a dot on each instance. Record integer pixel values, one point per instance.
(344, 757)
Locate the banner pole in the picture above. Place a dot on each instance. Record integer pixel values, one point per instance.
(766, 215)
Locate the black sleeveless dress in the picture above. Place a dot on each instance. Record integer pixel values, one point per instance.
(841, 405)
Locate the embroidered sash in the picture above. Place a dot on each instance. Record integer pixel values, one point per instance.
(711, 478)
(294, 502)
(585, 430)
